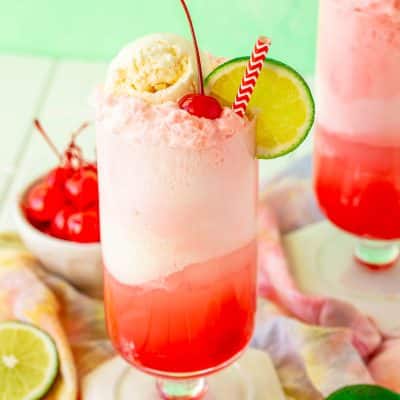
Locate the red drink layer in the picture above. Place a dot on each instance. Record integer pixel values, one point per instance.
(358, 184)
(194, 320)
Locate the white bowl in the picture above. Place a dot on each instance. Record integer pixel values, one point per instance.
(79, 263)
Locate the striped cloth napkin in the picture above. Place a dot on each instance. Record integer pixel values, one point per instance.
(74, 321)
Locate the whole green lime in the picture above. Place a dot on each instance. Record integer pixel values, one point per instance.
(364, 392)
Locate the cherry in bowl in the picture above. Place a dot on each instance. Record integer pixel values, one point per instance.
(45, 216)
(79, 262)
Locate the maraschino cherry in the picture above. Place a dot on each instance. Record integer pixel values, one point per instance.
(43, 202)
(58, 176)
(199, 104)
(59, 227)
(84, 227)
(64, 203)
(81, 189)
(45, 198)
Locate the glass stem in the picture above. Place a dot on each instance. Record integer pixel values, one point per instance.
(191, 389)
(377, 255)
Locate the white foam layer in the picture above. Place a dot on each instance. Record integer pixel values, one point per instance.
(375, 119)
(163, 208)
(358, 68)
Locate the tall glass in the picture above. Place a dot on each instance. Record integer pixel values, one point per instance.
(178, 227)
(357, 145)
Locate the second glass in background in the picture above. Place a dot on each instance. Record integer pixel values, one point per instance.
(357, 150)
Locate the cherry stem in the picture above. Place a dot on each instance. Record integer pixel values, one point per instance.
(79, 131)
(196, 46)
(46, 137)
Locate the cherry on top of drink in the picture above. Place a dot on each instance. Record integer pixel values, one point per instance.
(64, 202)
(199, 104)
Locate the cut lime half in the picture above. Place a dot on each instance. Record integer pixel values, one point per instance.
(281, 102)
(28, 362)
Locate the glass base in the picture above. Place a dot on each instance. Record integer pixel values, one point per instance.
(182, 390)
(341, 260)
(231, 383)
(377, 255)
(322, 262)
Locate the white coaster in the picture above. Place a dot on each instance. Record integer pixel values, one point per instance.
(321, 258)
(116, 380)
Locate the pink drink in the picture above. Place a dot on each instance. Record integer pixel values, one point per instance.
(357, 153)
(199, 319)
(178, 198)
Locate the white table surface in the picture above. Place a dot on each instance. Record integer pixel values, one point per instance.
(57, 93)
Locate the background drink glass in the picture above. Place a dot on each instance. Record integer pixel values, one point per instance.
(178, 230)
(357, 145)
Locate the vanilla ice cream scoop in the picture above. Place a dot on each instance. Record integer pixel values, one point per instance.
(157, 68)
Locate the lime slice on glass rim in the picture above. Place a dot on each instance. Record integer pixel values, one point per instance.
(28, 361)
(364, 392)
(282, 103)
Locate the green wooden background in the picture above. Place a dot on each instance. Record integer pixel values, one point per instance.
(96, 29)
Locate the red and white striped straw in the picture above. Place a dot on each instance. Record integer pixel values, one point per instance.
(253, 71)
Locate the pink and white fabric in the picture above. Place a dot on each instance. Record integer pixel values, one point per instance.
(318, 344)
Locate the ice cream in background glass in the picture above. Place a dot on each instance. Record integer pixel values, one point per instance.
(357, 149)
(178, 198)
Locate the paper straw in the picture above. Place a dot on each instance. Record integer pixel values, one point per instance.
(253, 71)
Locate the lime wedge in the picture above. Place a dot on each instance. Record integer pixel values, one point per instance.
(282, 103)
(28, 362)
(364, 392)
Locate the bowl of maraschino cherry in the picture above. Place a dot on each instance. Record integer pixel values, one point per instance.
(57, 216)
